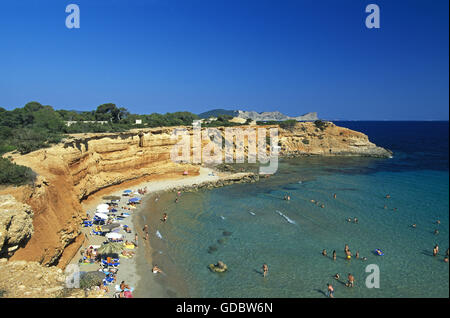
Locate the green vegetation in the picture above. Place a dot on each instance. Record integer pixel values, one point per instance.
(222, 121)
(10, 173)
(36, 126)
(287, 124)
(217, 113)
(321, 124)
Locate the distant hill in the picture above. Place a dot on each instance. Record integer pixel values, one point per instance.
(264, 116)
(218, 112)
(275, 116)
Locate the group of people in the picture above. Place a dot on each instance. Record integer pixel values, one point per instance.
(142, 191)
(348, 254)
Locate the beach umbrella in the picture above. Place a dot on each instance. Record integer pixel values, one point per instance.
(101, 216)
(114, 236)
(127, 191)
(110, 248)
(103, 208)
(89, 279)
(111, 197)
(134, 200)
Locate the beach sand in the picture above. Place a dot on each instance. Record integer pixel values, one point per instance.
(128, 266)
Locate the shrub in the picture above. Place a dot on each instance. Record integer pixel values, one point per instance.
(288, 124)
(320, 124)
(10, 173)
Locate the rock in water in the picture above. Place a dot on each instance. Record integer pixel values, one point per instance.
(220, 267)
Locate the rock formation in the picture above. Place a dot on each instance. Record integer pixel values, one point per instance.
(16, 225)
(83, 164)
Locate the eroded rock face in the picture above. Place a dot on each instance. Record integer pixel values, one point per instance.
(330, 140)
(31, 280)
(16, 225)
(86, 163)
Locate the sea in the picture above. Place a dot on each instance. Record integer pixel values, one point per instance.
(248, 225)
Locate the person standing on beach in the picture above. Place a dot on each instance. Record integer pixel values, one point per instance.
(164, 218)
(136, 239)
(265, 269)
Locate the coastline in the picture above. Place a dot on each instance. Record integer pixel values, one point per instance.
(129, 268)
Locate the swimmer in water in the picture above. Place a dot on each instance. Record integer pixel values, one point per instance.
(164, 218)
(388, 196)
(385, 207)
(348, 254)
(346, 248)
(355, 220)
(351, 281)
(330, 291)
(357, 255)
(436, 250)
(334, 255)
(438, 222)
(414, 225)
(265, 269)
(436, 232)
(334, 195)
(156, 269)
(324, 252)
(349, 220)
(446, 259)
(337, 276)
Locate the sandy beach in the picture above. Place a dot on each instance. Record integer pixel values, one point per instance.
(128, 267)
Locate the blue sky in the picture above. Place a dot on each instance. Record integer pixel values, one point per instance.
(196, 55)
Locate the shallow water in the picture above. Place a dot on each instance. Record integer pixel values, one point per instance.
(246, 225)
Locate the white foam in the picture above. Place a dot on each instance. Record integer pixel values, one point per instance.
(286, 218)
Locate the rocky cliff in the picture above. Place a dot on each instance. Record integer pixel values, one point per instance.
(16, 225)
(83, 164)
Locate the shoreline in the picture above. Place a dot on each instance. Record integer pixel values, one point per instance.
(128, 269)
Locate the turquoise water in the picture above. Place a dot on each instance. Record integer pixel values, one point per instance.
(246, 225)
